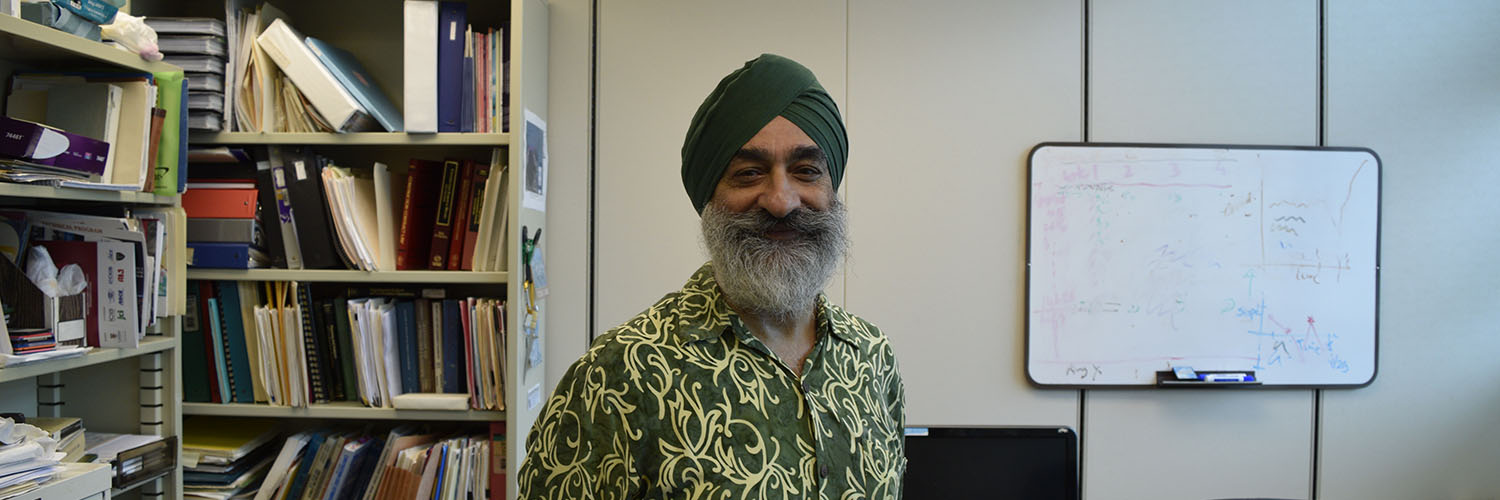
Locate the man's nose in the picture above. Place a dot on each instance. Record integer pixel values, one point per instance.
(781, 197)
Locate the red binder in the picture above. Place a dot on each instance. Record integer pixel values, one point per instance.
(220, 203)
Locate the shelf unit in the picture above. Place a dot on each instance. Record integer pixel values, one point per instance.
(342, 410)
(93, 357)
(352, 139)
(132, 390)
(373, 33)
(349, 276)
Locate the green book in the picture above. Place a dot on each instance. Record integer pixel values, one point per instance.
(169, 97)
(346, 347)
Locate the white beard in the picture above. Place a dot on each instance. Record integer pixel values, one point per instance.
(774, 278)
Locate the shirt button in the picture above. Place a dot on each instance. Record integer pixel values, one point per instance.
(823, 470)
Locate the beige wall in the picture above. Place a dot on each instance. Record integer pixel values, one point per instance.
(943, 99)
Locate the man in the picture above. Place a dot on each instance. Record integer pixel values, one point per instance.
(747, 382)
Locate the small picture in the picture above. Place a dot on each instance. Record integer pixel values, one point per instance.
(535, 174)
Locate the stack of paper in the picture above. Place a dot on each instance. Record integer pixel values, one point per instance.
(354, 205)
(28, 457)
(232, 456)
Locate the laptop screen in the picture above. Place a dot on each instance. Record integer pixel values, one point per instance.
(1033, 463)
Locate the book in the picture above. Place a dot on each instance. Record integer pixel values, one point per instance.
(420, 68)
(195, 377)
(424, 178)
(452, 21)
(347, 350)
(223, 230)
(315, 350)
(476, 209)
(225, 255)
(442, 225)
(236, 350)
(249, 301)
(338, 350)
(281, 469)
(220, 350)
(353, 77)
(422, 322)
(205, 203)
(467, 106)
(410, 363)
(388, 186)
(287, 48)
(59, 18)
(463, 195)
(454, 373)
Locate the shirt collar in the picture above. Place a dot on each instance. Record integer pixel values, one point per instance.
(703, 313)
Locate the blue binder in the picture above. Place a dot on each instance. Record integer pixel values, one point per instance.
(347, 70)
(452, 23)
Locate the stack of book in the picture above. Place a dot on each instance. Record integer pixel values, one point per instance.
(77, 17)
(456, 77)
(197, 45)
(110, 131)
(232, 456)
(402, 464)
(288, 345)
(68, 431)
(288, 82)
(223, 226)
(31, 341)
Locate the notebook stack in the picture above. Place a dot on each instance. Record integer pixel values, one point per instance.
(32, 340)
(196, 44)
(232, 456)
(222, 227)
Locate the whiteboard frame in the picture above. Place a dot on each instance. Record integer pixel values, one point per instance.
(1030, 199)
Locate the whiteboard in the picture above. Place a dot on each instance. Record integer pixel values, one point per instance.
(1151, 257)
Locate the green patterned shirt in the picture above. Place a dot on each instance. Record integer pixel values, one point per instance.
(683, 402)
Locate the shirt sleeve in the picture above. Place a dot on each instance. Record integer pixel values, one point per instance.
(897, 398)
(582, 444)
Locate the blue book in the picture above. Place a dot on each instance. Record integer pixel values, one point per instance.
(452, 23)
(454, 375)
(216, 335)
(182, 141)
(350, 74)
(309, 454)
(225, 255)
(406, 337)
(234, 336)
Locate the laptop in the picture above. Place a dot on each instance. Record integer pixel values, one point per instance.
(1031, 463)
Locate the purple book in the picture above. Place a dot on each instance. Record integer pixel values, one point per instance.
(45, 145)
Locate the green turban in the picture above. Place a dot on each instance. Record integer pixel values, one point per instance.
(743, 103)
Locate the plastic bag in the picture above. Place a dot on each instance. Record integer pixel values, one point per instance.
(42, 271)
(133, 33)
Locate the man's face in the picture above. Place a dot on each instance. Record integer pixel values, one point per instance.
(779, 170)
(774, 227)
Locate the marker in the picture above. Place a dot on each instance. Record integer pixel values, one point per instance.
(1226, 377)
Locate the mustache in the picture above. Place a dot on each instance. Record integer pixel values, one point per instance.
(757, 222)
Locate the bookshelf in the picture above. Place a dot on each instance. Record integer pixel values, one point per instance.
(341, 410)
(372, 32)
(350, 276)
(94, 357)
(35, 45)
(351, 139)
(132, 390)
